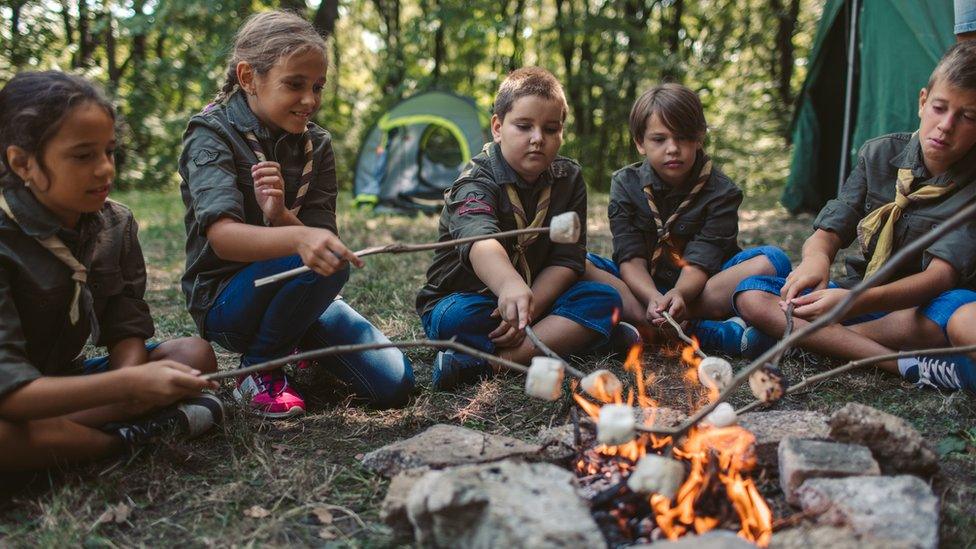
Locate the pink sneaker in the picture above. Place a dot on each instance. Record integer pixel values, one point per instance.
(268, 394)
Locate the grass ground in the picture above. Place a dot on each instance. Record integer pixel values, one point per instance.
(298, 482)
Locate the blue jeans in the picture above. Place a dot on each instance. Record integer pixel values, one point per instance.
(965, 11)
(99, 364)
(467, 316)
(939, 310)
(272, 321)
(776, 257)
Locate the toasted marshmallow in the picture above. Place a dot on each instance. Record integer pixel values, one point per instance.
(545, 378)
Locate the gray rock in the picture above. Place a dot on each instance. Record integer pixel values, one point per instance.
(828, 536)
(801, 459)
(558, 443)
(443, 446)
(393, 510)
(715, 539)
(773, 426)
(897, 446)
(503, 504)
(897, 510)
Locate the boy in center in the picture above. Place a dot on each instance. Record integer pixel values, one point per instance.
(486, 293)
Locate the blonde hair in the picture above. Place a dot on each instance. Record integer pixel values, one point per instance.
(264, 39)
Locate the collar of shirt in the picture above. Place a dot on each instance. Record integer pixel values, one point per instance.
(649, 177)
(244, 120)
(36, 221)
(962, 172)
(504, 174)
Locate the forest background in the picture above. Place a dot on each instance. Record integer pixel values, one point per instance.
(162, 60)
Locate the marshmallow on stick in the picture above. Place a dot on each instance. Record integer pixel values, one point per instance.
(602, 385)
(656, 474)
(722, 416)
(616, 425)
(715, 373)
(563, 229)
(545, 378)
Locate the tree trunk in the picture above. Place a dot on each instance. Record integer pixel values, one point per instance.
(326, 17)
(515, 61)
(438, 43)
(673, 37)
(783, 65)
(86, 43)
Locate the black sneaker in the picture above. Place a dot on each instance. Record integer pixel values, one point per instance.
(187, 418)
(623, 338)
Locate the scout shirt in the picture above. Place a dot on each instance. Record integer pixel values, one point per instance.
(215, 168)
(36, 289)
(705, 234)
(477, 204)
(872, 185)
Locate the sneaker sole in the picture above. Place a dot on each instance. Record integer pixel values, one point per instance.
(294, 411)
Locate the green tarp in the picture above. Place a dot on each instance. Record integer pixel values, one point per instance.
(898, 42)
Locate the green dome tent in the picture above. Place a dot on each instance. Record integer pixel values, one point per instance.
(416, 150)
(894, 45)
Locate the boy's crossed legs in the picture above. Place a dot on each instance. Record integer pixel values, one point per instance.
(940, 323)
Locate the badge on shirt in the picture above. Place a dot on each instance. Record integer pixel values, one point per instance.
(204, 157)
(474, 202)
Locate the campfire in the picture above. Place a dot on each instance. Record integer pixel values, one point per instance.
(652, 488)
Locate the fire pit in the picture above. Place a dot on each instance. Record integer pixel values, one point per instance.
(710, 466)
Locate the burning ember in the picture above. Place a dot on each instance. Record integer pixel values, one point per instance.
(715, 488)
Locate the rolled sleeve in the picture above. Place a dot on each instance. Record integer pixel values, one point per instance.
(573, 255)
(629, 241)
(716, 240)
(472, 211)
(211, 178)
(126, 313)
(842, 214)
(15, 369)
(319, 209)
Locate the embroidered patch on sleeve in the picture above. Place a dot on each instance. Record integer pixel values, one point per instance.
(475, 203)
(204, 157)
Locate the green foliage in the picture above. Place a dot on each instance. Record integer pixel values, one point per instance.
(162, 60)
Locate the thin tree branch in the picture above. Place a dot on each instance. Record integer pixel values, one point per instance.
(341, 349)
(855, 364)
(681, 334)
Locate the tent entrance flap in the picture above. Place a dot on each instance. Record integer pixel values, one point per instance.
(415, 152)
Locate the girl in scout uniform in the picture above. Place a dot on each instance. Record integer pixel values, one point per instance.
(486, 293)
(71, 270)
(259, 185)
(903, 185)
(674, 218)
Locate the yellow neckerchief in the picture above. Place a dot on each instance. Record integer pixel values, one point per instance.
(523, 241)
(664, 227)
(882, 221)
(54, 245)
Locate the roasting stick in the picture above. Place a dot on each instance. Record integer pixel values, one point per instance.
(681, 334)
(832, 316)
(341, 349)
(564, 229)
(550, 353)
(855, 364)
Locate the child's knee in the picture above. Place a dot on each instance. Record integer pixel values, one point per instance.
(397, 385)
(773, 262)
(599, 299)
(959, 328)
(751, 303)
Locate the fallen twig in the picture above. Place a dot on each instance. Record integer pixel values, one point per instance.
(855, 364)
(341, 349)
(832, 316)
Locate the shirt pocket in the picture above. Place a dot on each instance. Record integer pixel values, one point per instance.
(686, 229)
(873, 201)
(105, 284)
(913, 227)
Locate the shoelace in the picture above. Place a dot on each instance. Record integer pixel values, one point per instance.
(942, 371)
(266, 382)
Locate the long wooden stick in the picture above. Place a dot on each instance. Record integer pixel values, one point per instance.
(832, 316)
(341, 349)
(550, 353)
(855, 364)
(683, 336)
(406, 248)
